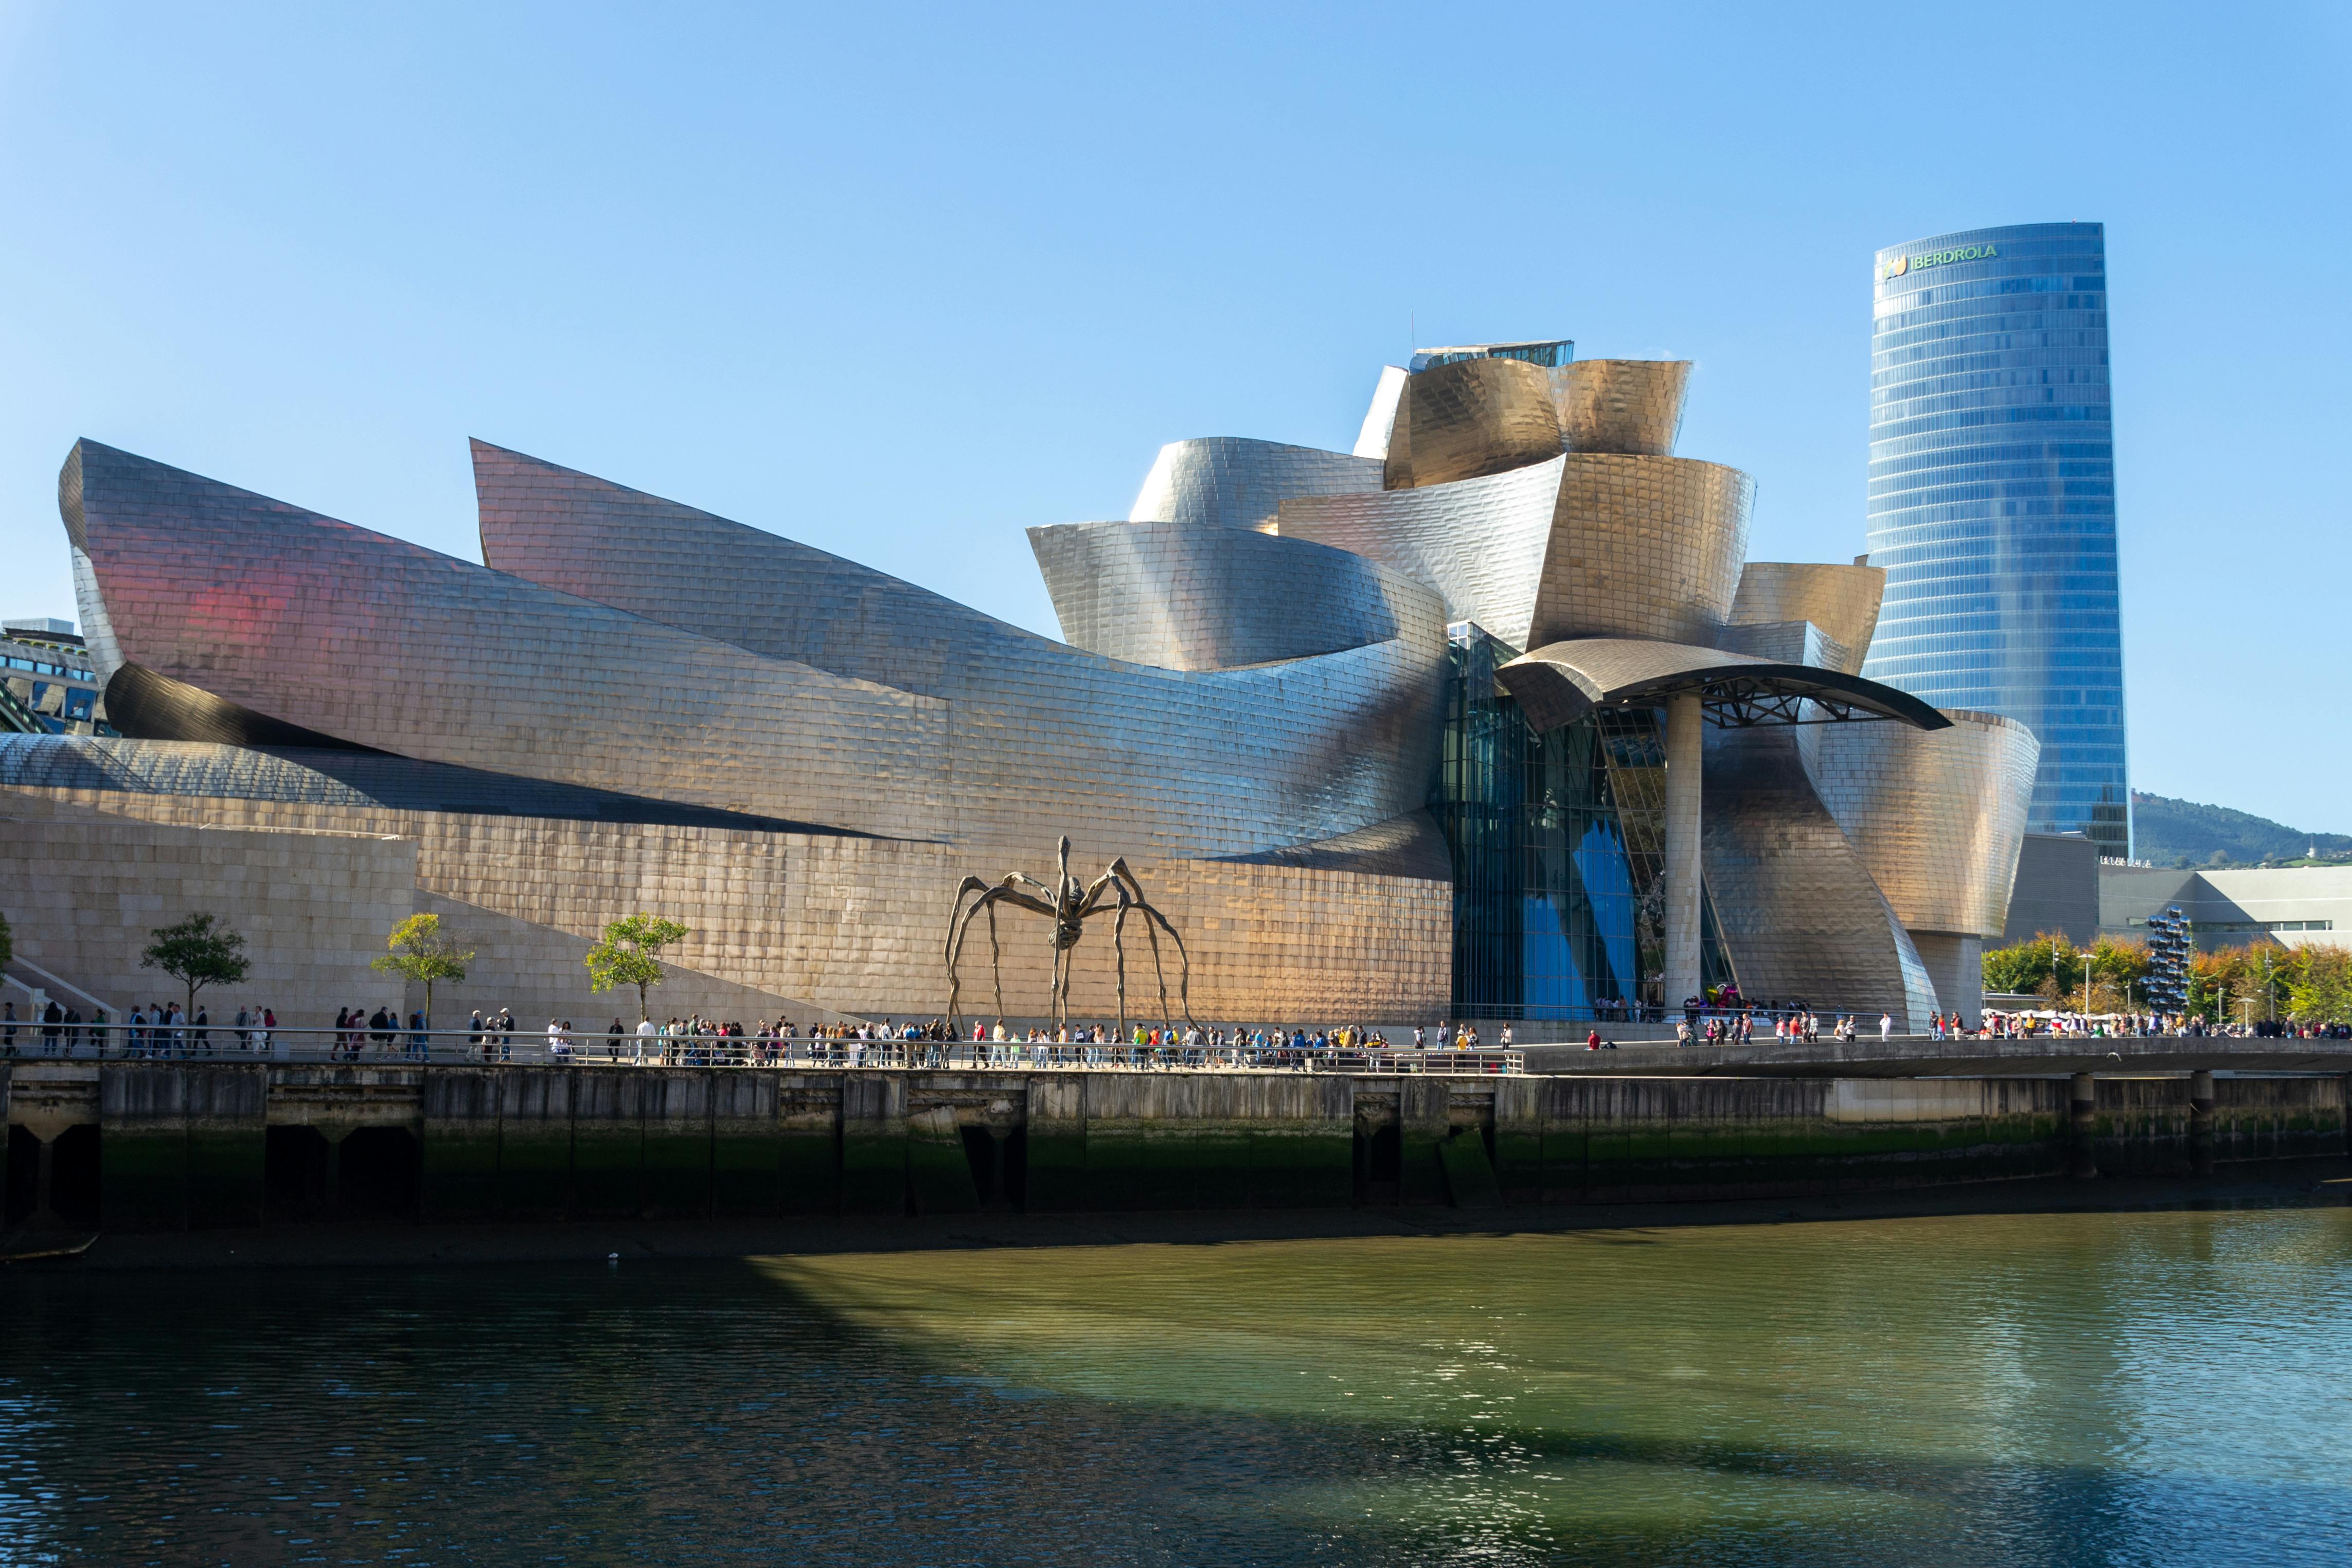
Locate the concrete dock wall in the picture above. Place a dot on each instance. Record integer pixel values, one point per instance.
(194, 1144)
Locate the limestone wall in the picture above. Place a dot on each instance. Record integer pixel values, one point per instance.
(84, 896)
(857, 926)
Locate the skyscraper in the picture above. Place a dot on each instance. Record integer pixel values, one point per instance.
(1992, 501)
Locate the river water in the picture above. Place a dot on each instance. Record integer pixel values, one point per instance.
(2052, 1389)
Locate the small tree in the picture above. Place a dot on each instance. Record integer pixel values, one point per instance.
(419, 951)
(197, 953)
(630, 955)
(7, 943)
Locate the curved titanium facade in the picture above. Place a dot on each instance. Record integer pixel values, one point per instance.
(1479, 542)
(1632, 405)
(1183, 597)
(1471, 419)
(1993, 501)
(1938, 817)
(373, 641)
(1037, 733)
(341, 632)
(1645, 547)
(1793, 898)
(1227, 481)
(1587, 544)
(1843, 601)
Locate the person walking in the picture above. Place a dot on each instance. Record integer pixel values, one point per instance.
(1886, 1024)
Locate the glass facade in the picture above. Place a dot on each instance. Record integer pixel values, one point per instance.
(1549, 354)
(1558, 844)
(1992, 501)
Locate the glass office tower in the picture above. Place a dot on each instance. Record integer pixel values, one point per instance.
(1992, 501)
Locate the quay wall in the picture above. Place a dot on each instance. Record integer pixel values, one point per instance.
(151, 1145)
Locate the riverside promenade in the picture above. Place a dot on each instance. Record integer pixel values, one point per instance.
(138, 1145)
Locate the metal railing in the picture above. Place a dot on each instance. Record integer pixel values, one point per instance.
(32, 1040)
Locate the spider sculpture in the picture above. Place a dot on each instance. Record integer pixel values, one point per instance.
(1069, 907)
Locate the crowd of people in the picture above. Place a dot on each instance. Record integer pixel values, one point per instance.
(166, 1030)
(158, 1030)
(1721, 1017)
(697, 1041)
(2111, 1025)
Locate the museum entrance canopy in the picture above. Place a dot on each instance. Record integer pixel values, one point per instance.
(1563, 681)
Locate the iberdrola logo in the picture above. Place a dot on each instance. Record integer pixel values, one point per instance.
(1903, 264)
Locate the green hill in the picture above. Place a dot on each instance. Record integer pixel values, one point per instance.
(2182, 832)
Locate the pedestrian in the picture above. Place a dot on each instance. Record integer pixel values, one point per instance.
(1886, 1024)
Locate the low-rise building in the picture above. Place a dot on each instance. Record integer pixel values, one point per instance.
(50, 686)
(2292, 904)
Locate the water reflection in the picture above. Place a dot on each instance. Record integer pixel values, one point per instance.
(2047, 1389)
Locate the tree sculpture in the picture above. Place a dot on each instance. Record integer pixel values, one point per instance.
(1069, 907)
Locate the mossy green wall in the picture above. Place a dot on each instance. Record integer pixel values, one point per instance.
(1174, 1141)
(181, 1145)
(184, 1144)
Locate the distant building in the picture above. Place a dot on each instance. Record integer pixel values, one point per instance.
(2057, 889)
(2292, 905)
(49, 685)
(1992, 501)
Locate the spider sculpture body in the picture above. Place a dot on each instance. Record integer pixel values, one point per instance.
(1069, 906)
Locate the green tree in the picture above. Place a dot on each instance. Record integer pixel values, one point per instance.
(419, 951)
(630, 955)
(2031, 968)
(2119, 966)
(2241, 982)
(7, 943)
(2319, 990)
(197, 952)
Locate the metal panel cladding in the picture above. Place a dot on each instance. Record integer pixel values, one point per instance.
(1992, 501)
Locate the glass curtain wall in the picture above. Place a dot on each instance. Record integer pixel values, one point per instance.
(1992, 501)
(1557, 841)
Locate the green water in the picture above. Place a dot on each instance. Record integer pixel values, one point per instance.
(2130, 1388)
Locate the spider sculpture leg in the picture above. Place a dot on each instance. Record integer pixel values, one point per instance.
(1118, 950)
(996, 962)
(1152, 918)
(1004, 892)
(959, 921)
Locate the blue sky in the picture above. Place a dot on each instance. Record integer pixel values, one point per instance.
(900, 282)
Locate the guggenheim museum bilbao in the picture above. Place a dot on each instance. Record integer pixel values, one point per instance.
(1491, 717)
